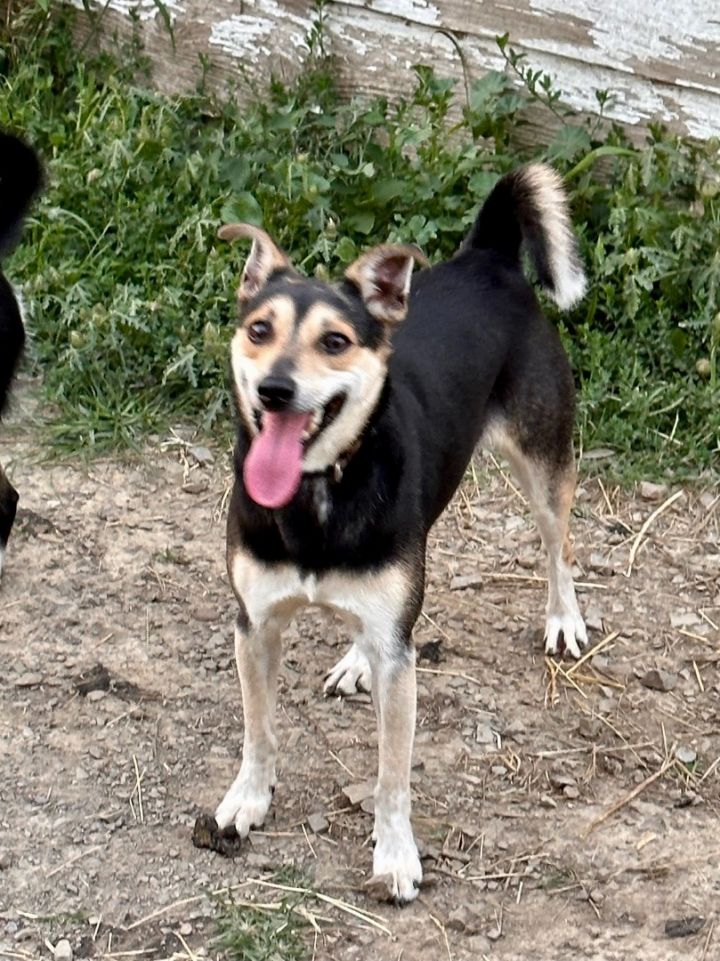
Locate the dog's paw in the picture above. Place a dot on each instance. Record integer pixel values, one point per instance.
(397, 872)
(565, 631)
(351, 675)
(245, 805)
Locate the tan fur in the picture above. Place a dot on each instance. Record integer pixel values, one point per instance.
(265, 257)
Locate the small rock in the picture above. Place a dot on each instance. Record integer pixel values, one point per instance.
(356, 793)
(571, 791)
(484, 733)
(463, 581)
(686, 755)
(195, 487)
(659, 680)
(561, 780)
(463, 918)
(589, 728)
(202, 455)
(598, 562)
(31, 679)
(683, 927)
(499, 770)
(63, 951)
(6, 860)
(96, 695)
(653, 492)
(205, 613)
(186, 929)
(684, 619)
(593, 618)
(318, 823)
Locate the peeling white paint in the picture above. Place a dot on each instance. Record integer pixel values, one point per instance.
(660, 59)
(144, 10)
(419, 11)
(243, 35)
(623, 30)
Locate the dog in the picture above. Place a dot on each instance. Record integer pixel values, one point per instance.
(20, 178)
(359, 405)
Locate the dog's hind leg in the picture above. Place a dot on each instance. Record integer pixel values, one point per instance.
(8, 507)
(549, 487)
(350, 675)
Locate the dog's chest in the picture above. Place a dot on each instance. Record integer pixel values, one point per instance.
(276, 591)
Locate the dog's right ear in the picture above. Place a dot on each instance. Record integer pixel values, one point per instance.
(265, 258)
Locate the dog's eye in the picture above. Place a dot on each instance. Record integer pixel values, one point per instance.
(334, 342)
(260, 332)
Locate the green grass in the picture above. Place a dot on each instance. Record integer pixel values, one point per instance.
(132, 297)
(273, 933)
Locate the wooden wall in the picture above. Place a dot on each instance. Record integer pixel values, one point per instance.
(660, 58)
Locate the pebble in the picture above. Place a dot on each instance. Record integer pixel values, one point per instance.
(203, 455)
(653, 492)
(318, 823)
(686, 755)
(6, 860)
(463, 918)
(659, 680)
(31, 679)
(186, 929)
(461, 582)
(571, 791)
(63, 951)
(356, 793)
(683, 927)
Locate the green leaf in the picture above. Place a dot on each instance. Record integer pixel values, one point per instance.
(363, 221)
(244, 208)
(384, 190)
(570, 142)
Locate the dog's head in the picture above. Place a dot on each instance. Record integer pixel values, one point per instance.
(309, 359)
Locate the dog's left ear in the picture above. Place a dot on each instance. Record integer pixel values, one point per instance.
(382, 275)
(265, 258)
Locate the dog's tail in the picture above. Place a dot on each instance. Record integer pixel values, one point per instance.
(529, 206)
(20, 179)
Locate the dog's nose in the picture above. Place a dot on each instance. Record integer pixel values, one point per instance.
(276, 393)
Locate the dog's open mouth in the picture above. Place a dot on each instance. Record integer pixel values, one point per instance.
(273, 467)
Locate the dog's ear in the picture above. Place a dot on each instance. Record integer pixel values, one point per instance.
(382, 275)
(265, 258)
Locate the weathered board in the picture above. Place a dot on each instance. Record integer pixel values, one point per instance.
(659, 58)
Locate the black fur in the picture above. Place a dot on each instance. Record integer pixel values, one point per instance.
(474, 348)
(20, 178)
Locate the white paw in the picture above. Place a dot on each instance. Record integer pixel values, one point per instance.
(351, 675)
(396, 865)
(245, 805)
(567, 626)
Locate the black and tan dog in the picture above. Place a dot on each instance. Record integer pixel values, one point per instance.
(19, 181)
(360, 405)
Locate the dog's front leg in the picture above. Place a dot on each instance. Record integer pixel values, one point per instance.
(395, 859)
(257, 652)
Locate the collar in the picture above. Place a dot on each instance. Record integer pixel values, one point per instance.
(337, 469)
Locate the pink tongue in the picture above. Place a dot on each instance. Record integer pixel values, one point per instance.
(273, 466)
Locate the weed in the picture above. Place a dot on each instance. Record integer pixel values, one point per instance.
(132, 298)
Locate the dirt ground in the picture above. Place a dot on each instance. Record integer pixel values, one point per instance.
(562, 812)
